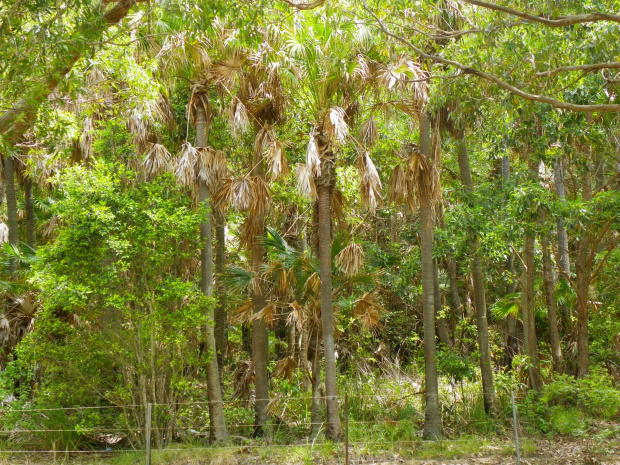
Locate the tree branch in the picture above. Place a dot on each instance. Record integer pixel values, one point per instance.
(495, 80)
(558, 22)
(587, 68)
(305, 6)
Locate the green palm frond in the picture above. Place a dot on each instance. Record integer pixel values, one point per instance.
(238, 278)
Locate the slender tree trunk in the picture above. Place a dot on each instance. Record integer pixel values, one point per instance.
(582, 275)
(31, 234)
(260, 332)
(325, 185)
(512, 340)
(486, 367)
(549, 281)
(221, 321)
(562, 239)
(529, 327)
(315, 409)
(432, 417)
(218, 431)
(442, 326)
(11, 207)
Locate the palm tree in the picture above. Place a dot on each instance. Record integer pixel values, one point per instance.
(203, 169)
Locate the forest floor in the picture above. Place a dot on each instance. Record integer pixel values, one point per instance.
(558, 451)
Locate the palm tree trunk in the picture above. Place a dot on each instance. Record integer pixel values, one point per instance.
(529, 327)
(562, 239)
(432, 418)
(11, 207)
(442, 326)
(218, 431)
(325, 185)
(220, 308)
(486, 368)
(31, 235)
(549, 281)
(512, 329)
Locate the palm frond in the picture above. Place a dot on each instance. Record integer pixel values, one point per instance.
(237, 278)
(369, 133)
(334, 125)
(313, 161)
(186, 165)
(157, 160)
(398, 185)
(370, 183)
(351, 258)
(305, 181)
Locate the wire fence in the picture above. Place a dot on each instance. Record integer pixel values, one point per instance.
(372, 423)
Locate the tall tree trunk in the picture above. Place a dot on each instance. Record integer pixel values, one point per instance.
(486, 367)
(315, 409)
(529, 327)
(31, 234)
(562, 239)
(221, 321)
(442, 325)
(512, 340)
(218, 431)
(260, 332)
(582, 275)
(432, 416)
(325, 185)
(549, 281)
(11, 207)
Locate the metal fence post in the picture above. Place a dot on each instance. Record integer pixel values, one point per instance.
(516, 425)
(149, 415)
(346, 429)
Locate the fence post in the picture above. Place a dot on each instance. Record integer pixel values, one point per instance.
(346, 429)
(516, 425)
(149, 415)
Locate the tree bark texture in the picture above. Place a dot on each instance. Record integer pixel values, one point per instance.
(31, 233)
(432, 415)
(325, 185)
(11, 207)
(480, 305)
(529, 325)
(218, 431)
(562, 240)
(260, 331)
(221, 320)
(549, 282)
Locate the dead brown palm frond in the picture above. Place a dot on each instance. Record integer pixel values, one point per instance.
(350, 259)
(422, 178)
(243, 314)
(260, 196)
(250, 230)
(137, 126)
(285, 367)
(338, 204)
(157, 160)
(86, 138)
(164, 112)
(199, 101)
(238, 116)
(267, 314)
(49, 228)
(370, 183)
(313, 283)
(185, 171)
(369, 133)
(212, 168)
(266, 145)
(334, 125)
(369, 311)
(313, 160)
(235, 192)
(296, 316)
(94, 76)
(179, 50)
(305, 181)
(398, 185)
(243, 377)
(224, 72)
